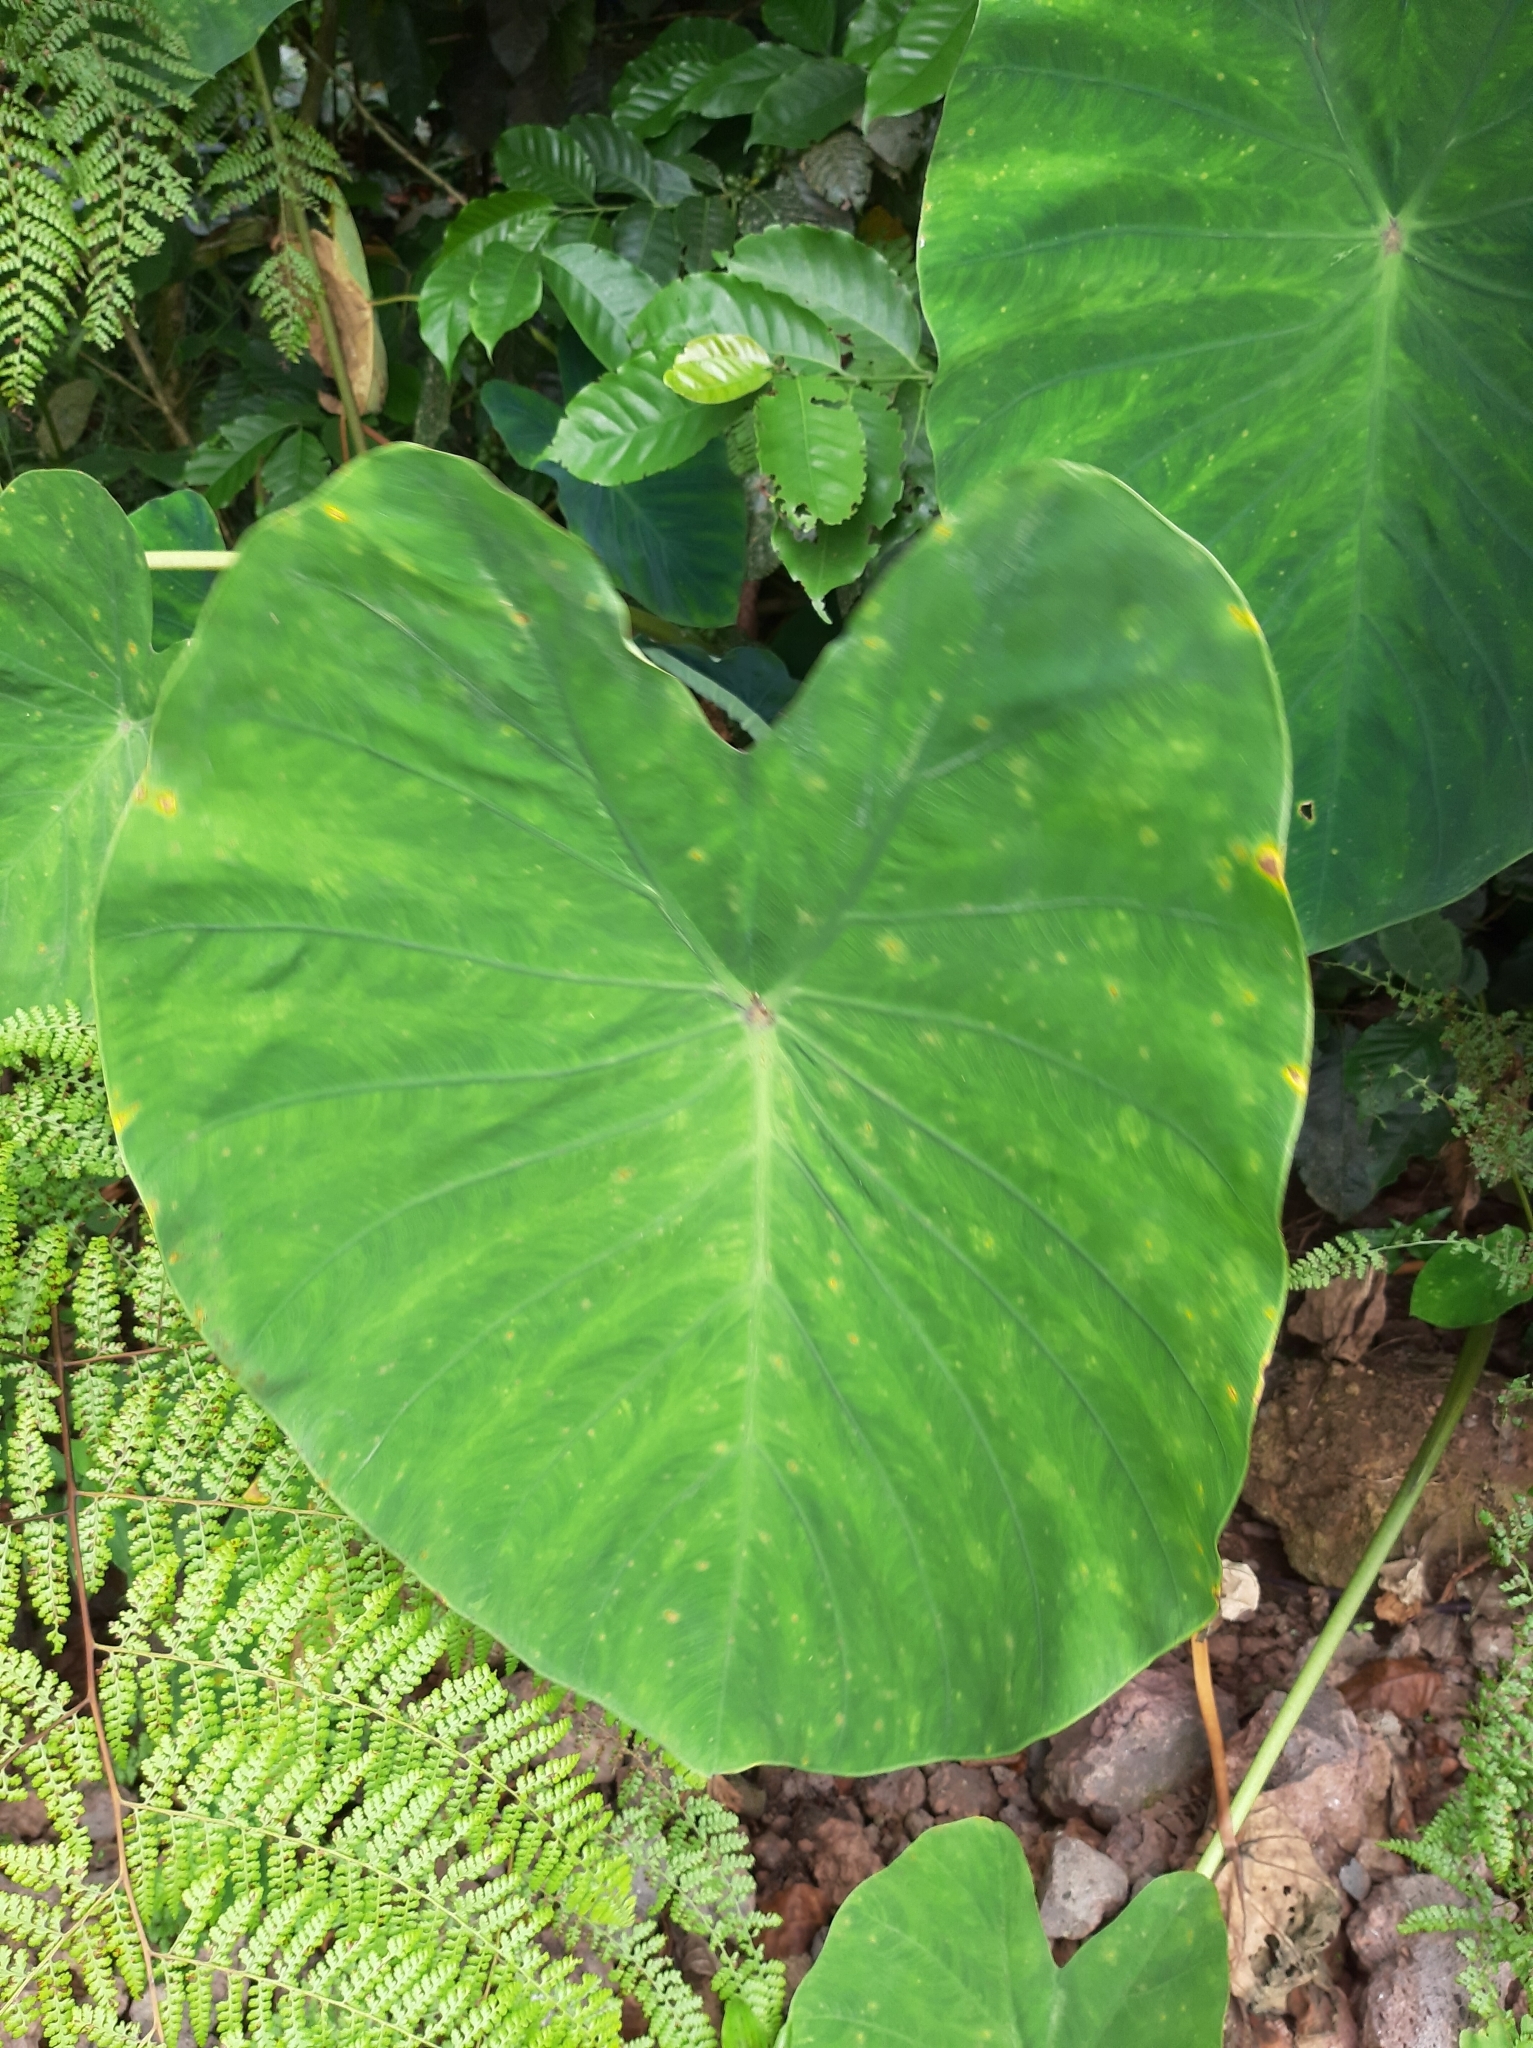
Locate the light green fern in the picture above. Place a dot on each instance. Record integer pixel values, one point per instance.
(344, 1823)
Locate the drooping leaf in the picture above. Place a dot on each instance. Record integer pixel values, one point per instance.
(845, 281)
(79, 680)
(872, 29)
(507, 289)
(945, 1948)
(918, 65)
(446, 305)
(602, 294)
(736, 85)
(183, 520)
(709, 304)
(805, 1215)
(651, 92)
(1276, 277)
(295, 467)
(622, 164)
(807, 103)
(807, 24)
(630, 424)
(1348, 1149)
(810, 443)
(649, 237)
(520, 218)
(1459, 1287)
(715, 368)
(548, 162)
(524, 419)
(215, 32)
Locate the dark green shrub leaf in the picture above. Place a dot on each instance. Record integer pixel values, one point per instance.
(651, 91)
(918, 65)
(807, 103)
(944, 1949)
(1425, 951)
(446, 305)
(631, 424)
(1278, 281)
(521, 218)
(79, 680)
(808, 24)
(507, 289)
(1361, 1130)
(524, 419)
(707, 230)
(602, 294)
(548, 162)
(295, 467)
(715, 368)
(848, 284)
(179, 519)
(837, 555)
(872, 29)
(853, 1164)
(649, 237)
(229, 458)
(1459, 1286)
(810, 443)
(736, 85)
(713, 304)
(621, 163)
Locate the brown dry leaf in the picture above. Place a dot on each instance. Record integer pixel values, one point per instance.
(1344, 1318)
(1282, 1915)
(1407, 1686)
(803, 1909)
(356, 325)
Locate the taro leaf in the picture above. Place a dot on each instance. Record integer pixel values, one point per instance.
(546, 162)
(215, 32)
(918, 66)
(179, 519)
(808, 24)
(847, 283)
(805, 105)
(714, 304)
(630, 424)
(945, 1949)
(78, 684)
(736, 85)
(601, 294)
(853, 1164)
(1458, 1286)
(1272, 268)
(1345, 1154)
(810, 442)
(752, 675)
(716, 368)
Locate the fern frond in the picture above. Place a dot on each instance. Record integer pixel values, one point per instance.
(41, 256)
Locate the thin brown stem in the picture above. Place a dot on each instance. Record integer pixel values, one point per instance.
(314, 84)
(157, 391)
(384, 134)
(1208, 1707)
(92, 1697)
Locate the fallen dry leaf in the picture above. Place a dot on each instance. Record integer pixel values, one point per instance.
(1407, 1686)
(1344, 1318)
(1283, 1912)
(356, 326)
(803, 1909)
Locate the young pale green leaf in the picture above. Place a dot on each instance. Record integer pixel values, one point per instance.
(804, 1214)
(709, 303)
(872, 29)
(919, 63)
(807, 24)
(945, 1948)
(548, 162)
(716, 368)
(622, 164)
(649, 237)
(521, 218)
(630, 424)
(602, 294)
(1340, 408)
(79, 681)
(806, 104)
(179, 519)
(507, 288)
(810, 444)
(1459, 1287)
(848, 284)
(736, 85)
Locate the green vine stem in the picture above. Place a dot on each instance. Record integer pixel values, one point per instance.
(300, 221)
(1466, 1373)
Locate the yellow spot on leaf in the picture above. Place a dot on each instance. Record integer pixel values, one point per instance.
(1269, 859)
(873, 641)
(696, 853)
(980, 724)
(670, 1614)
(1148, 836)
(1297, 1079)
(1244, 619)
(335, 512)
(165, 803)
(893, 948)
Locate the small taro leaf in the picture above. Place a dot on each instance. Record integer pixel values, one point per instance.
(736, 86)
(623, 165)
(872, 29)
(215, 32)
(847, 283)
(807, 24)
(918, 66)
(1343, 1156)
(1458, 1288)
(714, 304)
(524, 419)
(601, 293)
(945, 1948)
(507, 289)
(806, 104)
(521, 218)
(179, 519)
(1425, 951)
(674, 542)
(446, 306)
(751, 675)
(707, 230)
(649, 238)
(295, 467)
(630, 424)
(810, 444)
(78, 685)
(718, 367)
(512, 985)
(1342, 417)
(548, 162)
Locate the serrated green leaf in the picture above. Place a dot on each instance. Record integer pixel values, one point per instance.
(622, 164)
(179, 519)
(806, 104)
(79, 681)
(945, 1948)
(918, 65)
(807, 24)
(649, 238)
(810, 443)
(507, 289)
(545, 161)
(872, 29)
(883, 434)
(473, 966)
(520, 218)
(630, 424)
(837, 555)
(710, 304)
(848, 284)
(1458, 1288)
(715, 368)
(736, 85)
(602, 294)
(1278, 281)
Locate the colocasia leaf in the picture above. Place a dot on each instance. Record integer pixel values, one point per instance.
(848, 284)
(716, 368)
(918, 65)
(631, 424)
(808, 103)
(810, 443)
(179, 519)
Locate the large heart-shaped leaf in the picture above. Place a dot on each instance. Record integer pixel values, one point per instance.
(944, 1949)
(1274, 272)
(786, 1239)
(78, 684)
